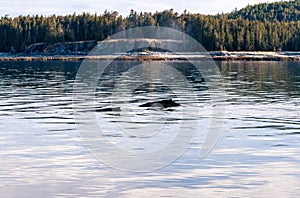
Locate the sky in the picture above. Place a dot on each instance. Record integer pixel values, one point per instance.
(62, 7)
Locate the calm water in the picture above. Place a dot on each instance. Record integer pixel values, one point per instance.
(257, 155)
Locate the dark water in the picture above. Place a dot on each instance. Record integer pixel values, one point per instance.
(258, 153)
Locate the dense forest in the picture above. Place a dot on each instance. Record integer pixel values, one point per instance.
(264, 27)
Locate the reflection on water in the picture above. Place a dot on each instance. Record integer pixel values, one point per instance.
(42, 154)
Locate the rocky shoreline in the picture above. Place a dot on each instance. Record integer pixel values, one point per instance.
(154, 56)
(78, 51)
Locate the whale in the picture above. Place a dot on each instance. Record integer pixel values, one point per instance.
(161, 103)
(109, 109)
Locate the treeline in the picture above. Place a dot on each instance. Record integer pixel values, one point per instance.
(265, 27)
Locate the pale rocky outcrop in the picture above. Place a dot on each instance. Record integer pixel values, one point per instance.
(61, 48)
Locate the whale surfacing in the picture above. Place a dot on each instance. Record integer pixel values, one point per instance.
(162, 103)
(109, 109)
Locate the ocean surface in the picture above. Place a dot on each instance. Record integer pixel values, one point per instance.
(44, 152)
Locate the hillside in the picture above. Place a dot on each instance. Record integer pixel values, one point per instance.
(284, 11)
(262, 27)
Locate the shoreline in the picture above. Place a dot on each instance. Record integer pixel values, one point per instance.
(217, 56)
